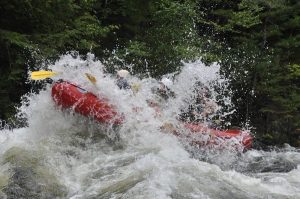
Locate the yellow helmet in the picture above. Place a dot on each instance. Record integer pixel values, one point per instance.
(123, 73)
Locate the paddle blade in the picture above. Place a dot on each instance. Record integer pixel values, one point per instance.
(43, 74)
(91, 78)
(135, 87)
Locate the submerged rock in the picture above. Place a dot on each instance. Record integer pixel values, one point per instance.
(263, 162)
(30, 177)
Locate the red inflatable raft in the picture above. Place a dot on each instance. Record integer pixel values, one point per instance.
(68, 95)
(222, 138)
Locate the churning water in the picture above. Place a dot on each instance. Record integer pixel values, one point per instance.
(61, 154)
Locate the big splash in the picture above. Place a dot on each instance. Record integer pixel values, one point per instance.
(61, 154)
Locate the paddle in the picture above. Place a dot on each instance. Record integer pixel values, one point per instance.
(42, 74)
(92, 79)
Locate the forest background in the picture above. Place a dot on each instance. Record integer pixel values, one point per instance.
(256, 42)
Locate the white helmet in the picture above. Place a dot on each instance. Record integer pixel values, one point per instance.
(123, 73)
(166, 81)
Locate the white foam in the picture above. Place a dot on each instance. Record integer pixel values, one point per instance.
(145, 163)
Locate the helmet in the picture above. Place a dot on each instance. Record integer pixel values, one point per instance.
(166, 81)
(123, 73)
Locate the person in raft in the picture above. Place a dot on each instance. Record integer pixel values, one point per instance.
(202, 107)
(122, 82)
(163, 93)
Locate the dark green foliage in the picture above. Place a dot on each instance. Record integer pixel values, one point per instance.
(256, 43)
(35, 30)
(156, 32)
(153, 35)
(260, 55)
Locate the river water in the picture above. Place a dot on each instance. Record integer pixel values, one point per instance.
(61, 154)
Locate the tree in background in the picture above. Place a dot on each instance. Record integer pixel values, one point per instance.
(256, 43)
(38, 30)
(258, 52)
(153, 35)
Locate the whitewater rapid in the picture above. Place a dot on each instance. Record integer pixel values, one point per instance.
(60, 154)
